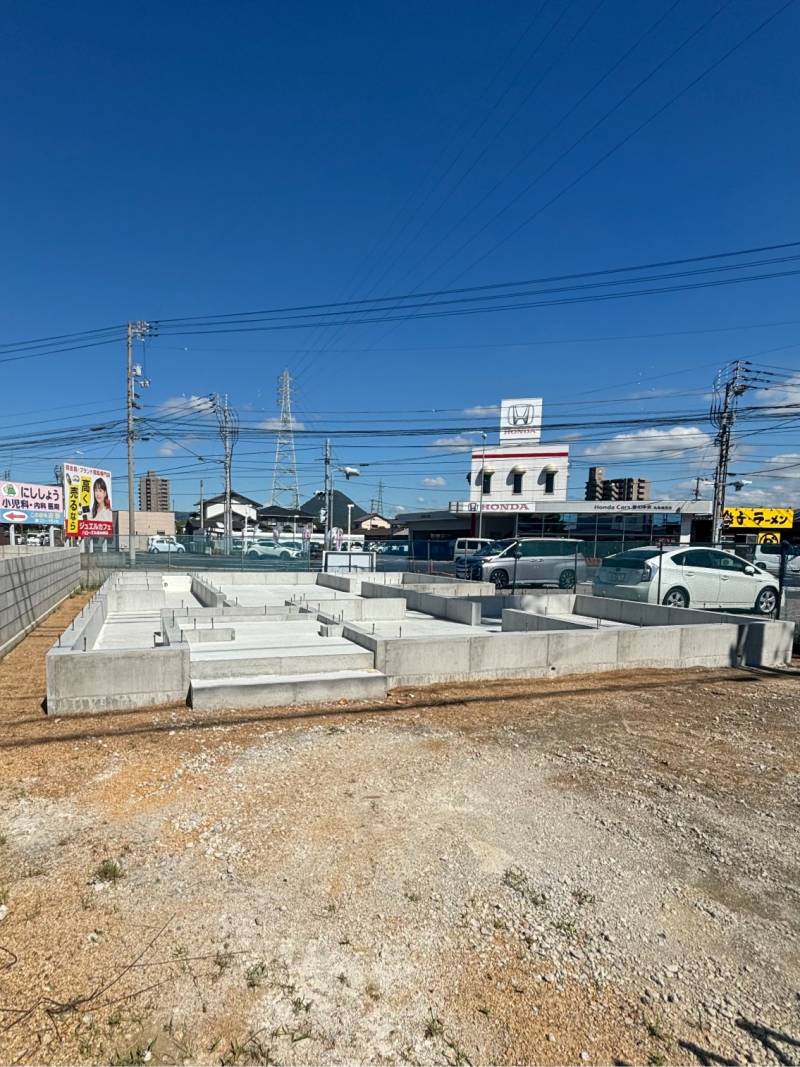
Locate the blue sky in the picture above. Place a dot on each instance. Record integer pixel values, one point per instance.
(193, 159)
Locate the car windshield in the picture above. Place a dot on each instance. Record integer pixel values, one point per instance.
(494, 548)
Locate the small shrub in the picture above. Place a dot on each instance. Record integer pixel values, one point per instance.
(109, 871)
(255, 974)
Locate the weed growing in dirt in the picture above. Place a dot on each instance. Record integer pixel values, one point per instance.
(109, 871)
(3, 840)
(138, 1055)
(299, 1005)
(3, 896)
(255, 974)
(434, 1026)
(583, 896)
(515, 878)
(566, 927)
(372, 990)
(222, 960)
(342, 979)
(413, 896)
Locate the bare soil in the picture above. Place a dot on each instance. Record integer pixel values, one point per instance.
(595, 869)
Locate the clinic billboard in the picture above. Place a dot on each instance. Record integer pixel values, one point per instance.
(29, 504)
(87, 499)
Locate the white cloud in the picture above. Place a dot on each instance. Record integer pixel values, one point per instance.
(479, 411)
(766, 495)
(184, 405)
(400, 507)
(789, 460)
(431, 483)
(575, 436)
(787, 392)
(461, 442)
(420, 499)
(168, 449)
(275, 424)
(674, 443)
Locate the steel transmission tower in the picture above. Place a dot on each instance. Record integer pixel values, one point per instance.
(377, 503)
(285, 487)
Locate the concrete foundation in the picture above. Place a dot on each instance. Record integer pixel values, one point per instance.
(232, 641)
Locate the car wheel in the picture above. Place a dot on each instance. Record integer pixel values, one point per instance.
(566, 580)
(676, 598)
(284, 555)
(766, 602)
(252, 555)
(500, 579)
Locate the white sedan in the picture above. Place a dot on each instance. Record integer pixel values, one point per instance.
(687, 577)
(269, 550)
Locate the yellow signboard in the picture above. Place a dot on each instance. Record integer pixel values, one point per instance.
(757, 518)
(767, 537)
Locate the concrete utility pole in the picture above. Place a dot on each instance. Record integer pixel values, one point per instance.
(328, 493)
(729, 384)
(229, 432)
(483, 482)
(202, 506)
(136, 331)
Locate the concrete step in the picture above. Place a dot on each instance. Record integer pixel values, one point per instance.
(272, 691)
(303, 659)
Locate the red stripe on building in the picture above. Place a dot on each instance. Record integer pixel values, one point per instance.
(518, 455)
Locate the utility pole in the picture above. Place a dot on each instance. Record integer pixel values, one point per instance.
(328, 493)
(137, 331)
(483, 483)
(229, 432)
(377, 503)
(284, 473)
(202, 507)
(729, 384)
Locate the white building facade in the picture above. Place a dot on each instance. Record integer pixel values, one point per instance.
(519, 470)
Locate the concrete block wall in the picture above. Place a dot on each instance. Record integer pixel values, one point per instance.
(31, 585)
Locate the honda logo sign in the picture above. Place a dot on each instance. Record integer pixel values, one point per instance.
(521, 419)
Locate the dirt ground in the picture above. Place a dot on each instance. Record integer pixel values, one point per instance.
(590, 870)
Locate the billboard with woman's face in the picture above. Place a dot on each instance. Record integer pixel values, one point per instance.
(87, 500)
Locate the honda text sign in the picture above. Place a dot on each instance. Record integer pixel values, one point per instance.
(521, 420)
(87, 493)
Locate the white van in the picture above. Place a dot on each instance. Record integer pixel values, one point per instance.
(468, 546)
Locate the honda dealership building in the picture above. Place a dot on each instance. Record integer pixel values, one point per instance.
(518, 488)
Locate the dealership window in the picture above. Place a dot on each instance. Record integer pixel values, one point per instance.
(549, 482)
(486, 483)
(516, 482)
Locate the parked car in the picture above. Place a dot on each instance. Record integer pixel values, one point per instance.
(689, 577)
(768, 557)
(527, 561)
(164, 544)
(267, 549)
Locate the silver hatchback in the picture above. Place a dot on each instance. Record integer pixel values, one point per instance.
(536, 561)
